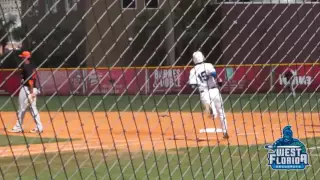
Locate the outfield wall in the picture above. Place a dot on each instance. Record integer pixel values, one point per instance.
(238, 79)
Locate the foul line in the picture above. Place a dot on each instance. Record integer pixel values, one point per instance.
(316, 147)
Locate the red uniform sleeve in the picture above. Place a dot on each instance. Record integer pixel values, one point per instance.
(33, 78)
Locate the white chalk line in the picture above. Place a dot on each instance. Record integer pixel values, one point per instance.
(315, 155)
(315, 147)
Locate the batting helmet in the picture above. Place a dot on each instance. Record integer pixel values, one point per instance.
(198, 57)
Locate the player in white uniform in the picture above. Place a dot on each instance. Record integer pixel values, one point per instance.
(204, 77)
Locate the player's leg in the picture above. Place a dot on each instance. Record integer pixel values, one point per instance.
(208, 103)
(218, 102)
(35, 114)
(23, 105)
(292, 88)
(213, 110)
(206, 106)
(209, 109)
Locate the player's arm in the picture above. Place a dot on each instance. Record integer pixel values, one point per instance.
(212, 72)
(31, 81)
(193, 79)
(20, 72)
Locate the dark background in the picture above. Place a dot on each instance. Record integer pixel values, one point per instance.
(262, 34)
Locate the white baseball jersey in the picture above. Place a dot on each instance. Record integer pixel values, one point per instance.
(201, 75)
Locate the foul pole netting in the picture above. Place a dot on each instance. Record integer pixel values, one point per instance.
(114, 95)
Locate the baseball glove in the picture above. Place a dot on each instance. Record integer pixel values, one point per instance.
(30, 99)
(219, 82)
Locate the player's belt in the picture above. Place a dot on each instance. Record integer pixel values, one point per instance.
(208, 89)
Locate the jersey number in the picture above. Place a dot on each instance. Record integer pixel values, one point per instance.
(203, 76)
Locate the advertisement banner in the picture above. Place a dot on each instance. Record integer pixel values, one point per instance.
(116, 81)
(233, 79)
(9, 82)
(305, 78)
(243, 79)
(236, 80)
(168, 80)
(62, 82)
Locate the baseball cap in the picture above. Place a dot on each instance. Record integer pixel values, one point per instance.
(25, 54)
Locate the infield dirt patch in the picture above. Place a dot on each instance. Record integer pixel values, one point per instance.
(134, 131)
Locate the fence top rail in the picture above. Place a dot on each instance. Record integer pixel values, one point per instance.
(270, 2)
(169, 67)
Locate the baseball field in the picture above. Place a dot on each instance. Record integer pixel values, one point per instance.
(155, 137)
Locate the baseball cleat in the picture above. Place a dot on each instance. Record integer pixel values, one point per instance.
(225, 136)
(15, 130)
(35, 131)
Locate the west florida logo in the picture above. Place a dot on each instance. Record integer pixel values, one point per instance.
(287, 152)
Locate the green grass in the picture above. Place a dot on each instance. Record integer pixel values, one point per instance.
(21, 140)
(236, 103)
(219, 162)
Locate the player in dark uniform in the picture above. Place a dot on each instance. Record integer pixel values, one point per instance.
(28, 95)
(290, 82)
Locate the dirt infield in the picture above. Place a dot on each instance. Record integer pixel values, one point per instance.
(147, 130)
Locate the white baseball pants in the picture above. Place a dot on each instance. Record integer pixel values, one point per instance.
(291, 85)
(23, 105)
(213, 97)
